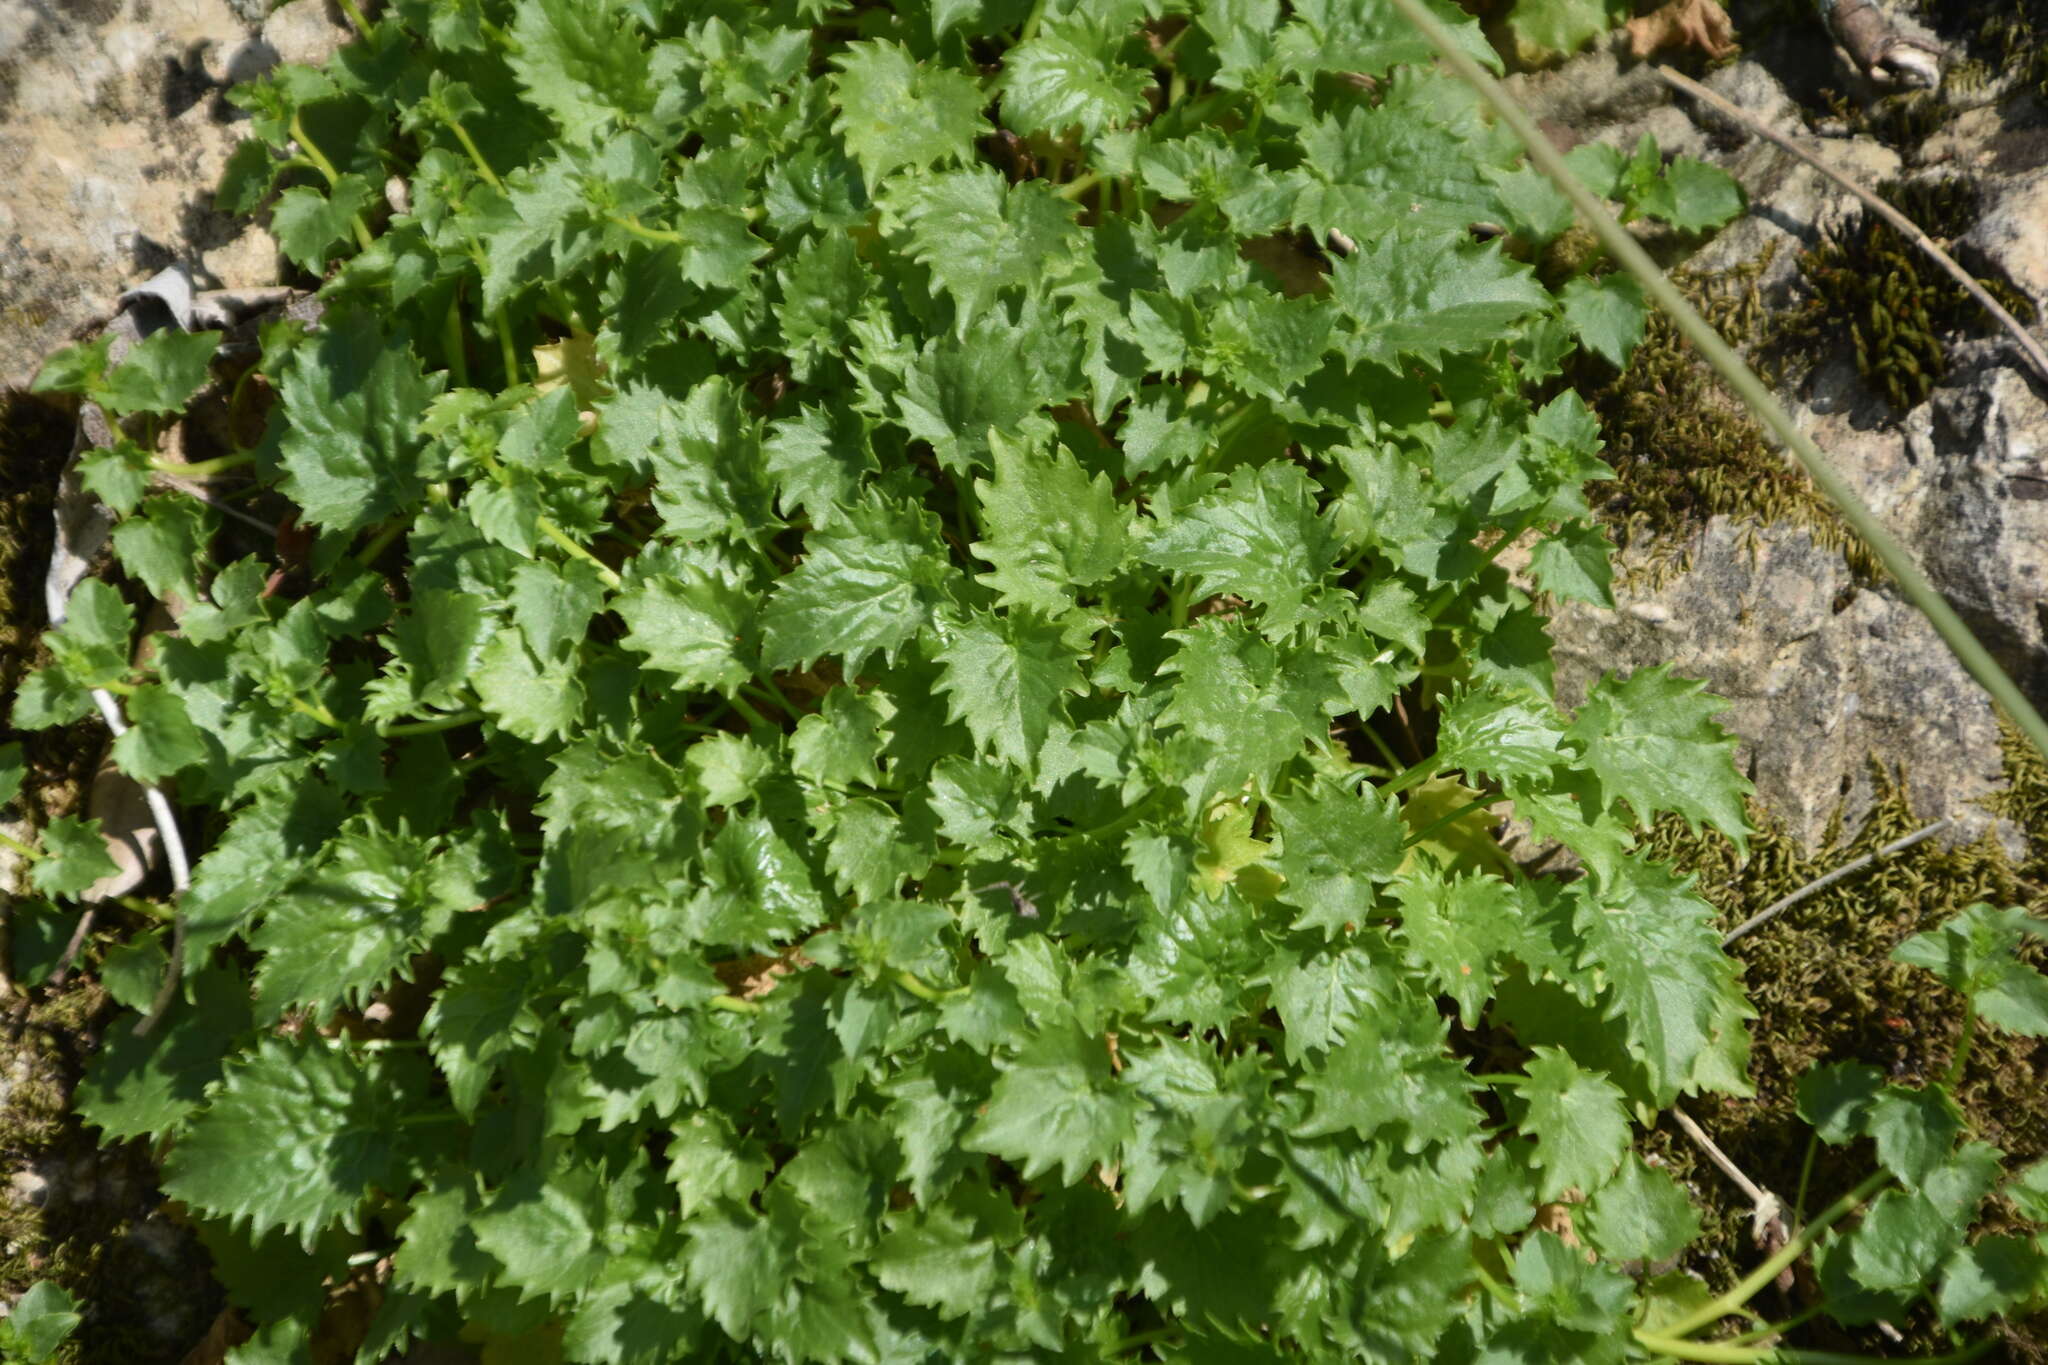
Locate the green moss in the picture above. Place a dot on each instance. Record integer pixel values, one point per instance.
(1901, 309)
(1683, 451)
(1826, 990)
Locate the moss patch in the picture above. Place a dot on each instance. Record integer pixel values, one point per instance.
(1826, 990)
(1684, 451)
(1901, 310)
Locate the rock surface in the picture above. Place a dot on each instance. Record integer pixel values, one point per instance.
(113, 130)
(1822, 674)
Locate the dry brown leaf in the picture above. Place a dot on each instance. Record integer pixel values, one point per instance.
(1699, 24)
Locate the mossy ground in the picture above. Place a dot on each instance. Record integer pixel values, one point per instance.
(81, 1238)
(1826, 990)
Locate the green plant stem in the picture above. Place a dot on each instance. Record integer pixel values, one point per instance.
(1079, 185)
(909, 982)
(1748, 1287)
(333, 176)
(355, 17)
(1805, 1177)
(452, 721)
(1413, 775)
(1777, 1329)
(483, 167)
(605, 572)
(379, 543)
(1964, 1041)
(639, 229)
(1721, 1353)
(1460, 813)
(509, 352)
(1137, 1339)
(732, 1004)
(27, 851)
(454, 343)
(752, 713)
(1753, 392)
(204, 469)
(317, 711)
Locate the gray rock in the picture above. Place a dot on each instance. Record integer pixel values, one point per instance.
(114, 131)
(1820, 675)
(300, 31)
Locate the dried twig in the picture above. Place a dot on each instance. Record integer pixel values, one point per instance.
(2036, 355)
(1822, 883)
(1767, 1222)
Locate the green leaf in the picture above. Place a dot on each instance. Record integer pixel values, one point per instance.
(160, 374)
(1426, 298)
(1394, 1072)
(544, 1230)
(12, 771)
(1669, 985)
(1640, 1215)
(895, 112)
(868, 585)
(309, 225)
(1973, 954)
(41, 1320)
(1607, 313)
(1339, 847)
(1694, 196)
(1838, 1099)
(1056, 1105)
(161, 738)
(692, 625)
(1576, 561)
(1916, 1130)
(1577, 1119)
(580, 62)
(979, 236)
(74, 856)
(936, 1260)
(1007, 678)
(1050, 529)
(1653, 742)
(1258, 538)
(297, 1136)
(1066, 77)
(735, 1267)
(1990, 1277)
(1543, 28)
(351, 396)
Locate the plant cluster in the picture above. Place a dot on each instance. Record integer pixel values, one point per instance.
(873, 739)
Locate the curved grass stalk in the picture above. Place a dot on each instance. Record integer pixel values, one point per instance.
(1898, 562)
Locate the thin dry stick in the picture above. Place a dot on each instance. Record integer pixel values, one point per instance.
(1822, 883)
(1768, 1207)
(2036, 355)
(57, 978)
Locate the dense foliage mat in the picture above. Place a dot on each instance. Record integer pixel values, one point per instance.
(879, 734)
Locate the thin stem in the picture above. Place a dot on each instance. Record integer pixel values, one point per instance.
(1805, 1178)
(1778, 1329)
(1501, 1078)
(332, 176)
(641, 230)
(28, 851)
(452, 721)
(732, 1004)
(317, 711)
(1962, 1055)
(1721, 1353)
(355, 17)
(909, 982)
(1460, 813)
(1079, 185)
(454, 343)
(1413, 775)
(483, 167)
(605, 572)
(204, 469)
(381, 542)
(1749, 1286)
(1820, 884)
(509, 352)
(1753, 392)
(1137, 1339)
(747, 709)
